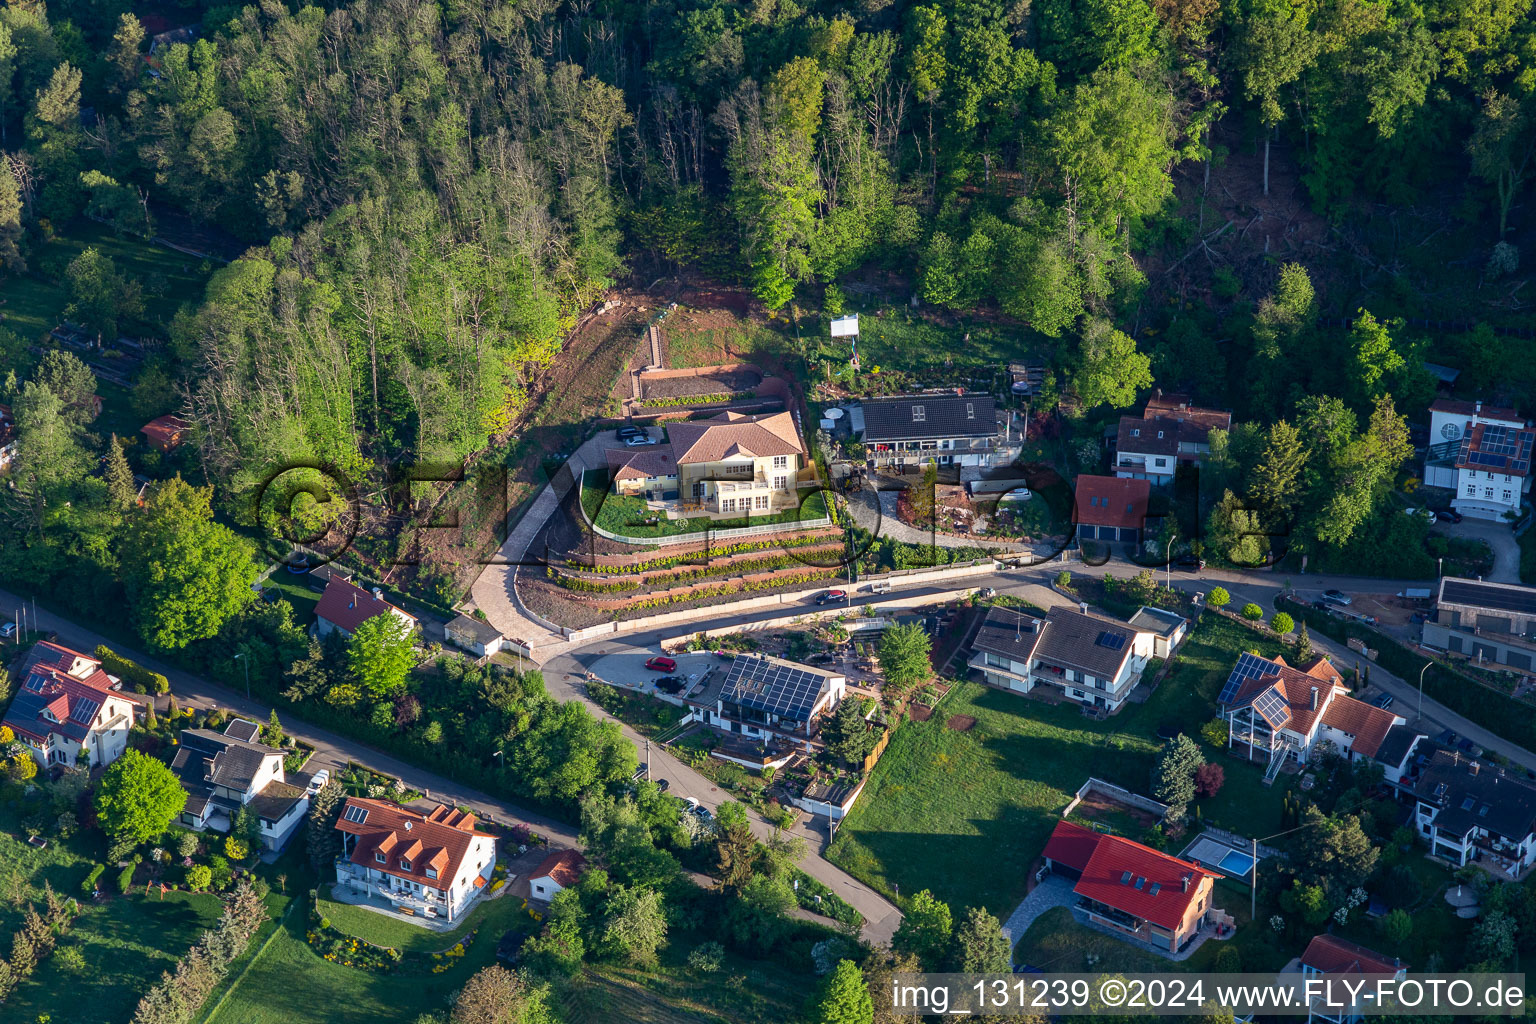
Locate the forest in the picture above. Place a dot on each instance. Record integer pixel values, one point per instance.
(418, 199)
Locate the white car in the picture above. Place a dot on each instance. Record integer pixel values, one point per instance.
(1422, 512)
(7, 631)
(638, 442)
(317, 781)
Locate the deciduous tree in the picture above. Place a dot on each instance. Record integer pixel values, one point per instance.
(138, 797)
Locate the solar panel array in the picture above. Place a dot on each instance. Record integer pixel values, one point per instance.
(1515, 599)
(1272, 707)
(83, 709)
(1113, 641)
(778, 689)
(35, 681)
(1500, 448)
(356, 813)
(1249, 666)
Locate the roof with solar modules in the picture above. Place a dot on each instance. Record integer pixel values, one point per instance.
(61, 692)
(1092, 643)
(776, 687)
(1298, 701)
(1496, 448)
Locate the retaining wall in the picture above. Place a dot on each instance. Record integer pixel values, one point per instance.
(1119, 794)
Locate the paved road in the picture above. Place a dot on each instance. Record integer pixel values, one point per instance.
(331, 751)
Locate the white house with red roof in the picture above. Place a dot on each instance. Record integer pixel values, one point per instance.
(1329, 955)
(1483, 454)
(344, 606)
(1134, 890)
(1276, 713)
(69, 711)
(1170, 431)
(434, 864)
(557, 872)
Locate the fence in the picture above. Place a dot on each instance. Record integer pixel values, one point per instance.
(1119, 794)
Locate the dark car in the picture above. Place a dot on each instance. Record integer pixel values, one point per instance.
(1446, 738)
(624, 432)
(831, 595)
(1447, 514)
(1190, 562)
(663, 785)
(1469, 748)
(1384, 701)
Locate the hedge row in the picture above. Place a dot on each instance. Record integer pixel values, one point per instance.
(1497, 712)
(89, 885)
(125, 876)
(141, 678)
(714, 398)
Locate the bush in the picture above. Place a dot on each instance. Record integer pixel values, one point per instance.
(1064, 579)
(222, 873)
(89, 885)
(141, 678)
(236, 849)
(1218, 597)
(125, 876)
(1252, 612)
(199, 877)
(187, 843)
(1282, 623)
(706, 957)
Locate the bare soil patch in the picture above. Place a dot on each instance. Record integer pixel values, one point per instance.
(960, 723)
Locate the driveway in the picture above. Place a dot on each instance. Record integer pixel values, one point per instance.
(1500, 537)
(1054, 891)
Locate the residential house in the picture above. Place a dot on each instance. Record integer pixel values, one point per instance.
(1279, 714)
(8, 441)
(767, 698)
(344, 606)
(1090, 659)
(1133, 890)
(474, 635)
(1491, 623)
(1483, 454)
(730, 465)
(225, 771)
(165, 432)
(1470, 812)
(1108, 508)
(69, 711)
(946, 429)
(434, 864)
(1168, 629)
(557, 872)
(1329, 955)
(1169, 431)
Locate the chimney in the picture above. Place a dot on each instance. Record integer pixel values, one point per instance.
(1314, 698)
(1083, 607)
(1472, 767)
(1186, 881)
(378, 595)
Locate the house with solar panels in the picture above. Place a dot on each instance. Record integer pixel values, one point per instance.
(1483, 454)
(767, 698)
(1279, 715)
(1492, 623)
(69, 711)
(1090, 659)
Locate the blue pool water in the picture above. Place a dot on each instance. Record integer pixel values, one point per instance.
(1236, 863)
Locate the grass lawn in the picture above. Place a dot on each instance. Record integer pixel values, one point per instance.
(965, 814)
(295, 592)
(627, 516)
(126, 940)
(711, 346)
(495, 915)
(1056, 942)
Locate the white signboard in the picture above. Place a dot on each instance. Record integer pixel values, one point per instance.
(846, 326)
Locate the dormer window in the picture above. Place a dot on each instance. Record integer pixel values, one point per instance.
(1159, 435)
(431, 872)
(919, 414)
(405, 865)
(378, 855)
(1135, 431)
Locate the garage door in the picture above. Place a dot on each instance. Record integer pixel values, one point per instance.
(1454, 643)
(1515, 659)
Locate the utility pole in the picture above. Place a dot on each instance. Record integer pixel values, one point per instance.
(242, 659)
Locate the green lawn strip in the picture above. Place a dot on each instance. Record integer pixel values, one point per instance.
(627, 515)
(126, 940)
(965, 814)
(1056, 942)
(32, 304)
(169, 278)
(497, 915)
(295, 592)
(282, 907)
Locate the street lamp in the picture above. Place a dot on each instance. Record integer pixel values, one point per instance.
(1168, 565)
(244, 661)
(1421, 688)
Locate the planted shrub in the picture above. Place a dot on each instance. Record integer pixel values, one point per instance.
(89, 885)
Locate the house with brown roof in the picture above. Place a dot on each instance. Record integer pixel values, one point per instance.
(1109, 508)
(1091, 659)
(1329, 955)
(69, 711)
(433, 864)
(1133, 890)
(1169, 431)
(1469, 812)
(730, 465)
(1482, 453)
(558, 871)
(165, 432)
(344, 606)
(1278, 714)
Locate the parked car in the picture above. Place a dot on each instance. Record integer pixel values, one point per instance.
(7, 631)
(1190, 562)
(1450, 515)
(318, 780)
(1446, 738)
(640, 771)
(624, 432)
(1469, 748)
(661, 663)
(663, 785)
(986, 592)
(701, 812)
(639, 441)
(1337, 597)
(831, 595)
(1429, 513)
(1384, 701)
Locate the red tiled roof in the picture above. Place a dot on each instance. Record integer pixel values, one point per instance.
(1505, 456)
(401, 834)
(164, 432)
(1161, 898)
(1072, 845)
(1111, 501)
(1368, 725)
(1296, 687)
(1333, 955)
(1177, 407)
(564, 867)
(1487, 412)
(348, 606)
(733, 434)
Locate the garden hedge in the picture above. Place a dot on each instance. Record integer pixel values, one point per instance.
(125, 877)
(89, 885)
(140, 677)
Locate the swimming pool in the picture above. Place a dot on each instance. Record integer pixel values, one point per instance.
(1207, 851)
(1236, 863)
